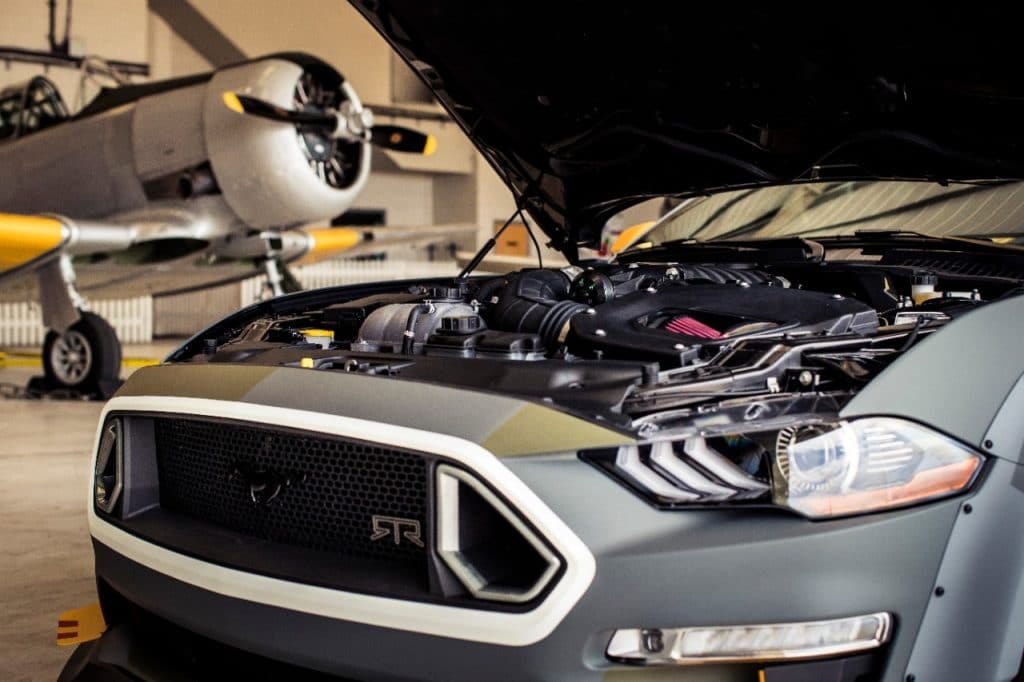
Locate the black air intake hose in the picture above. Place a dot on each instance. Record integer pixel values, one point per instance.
(487, 289)
(535, 302)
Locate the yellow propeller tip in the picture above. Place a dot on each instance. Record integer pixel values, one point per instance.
(232, 102)
(430, 146)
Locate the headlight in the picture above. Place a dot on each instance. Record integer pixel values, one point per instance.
(820, 470)
(867, 465)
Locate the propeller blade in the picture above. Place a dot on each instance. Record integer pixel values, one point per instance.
(403, 139)
(244, 104)
(390, 137)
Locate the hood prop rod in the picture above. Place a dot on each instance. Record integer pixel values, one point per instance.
(487, 247)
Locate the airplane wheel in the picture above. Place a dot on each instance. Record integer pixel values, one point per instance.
(86, 358)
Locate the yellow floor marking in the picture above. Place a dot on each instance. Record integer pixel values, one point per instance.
(33, 360)
(80, 625)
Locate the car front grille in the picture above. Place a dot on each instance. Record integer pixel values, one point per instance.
(306, 490)
(328, 510)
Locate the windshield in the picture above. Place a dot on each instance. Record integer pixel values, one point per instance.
(987, 211)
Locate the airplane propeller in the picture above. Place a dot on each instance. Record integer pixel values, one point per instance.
(347, 122)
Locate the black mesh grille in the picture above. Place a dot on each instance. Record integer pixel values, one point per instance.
(330, 488)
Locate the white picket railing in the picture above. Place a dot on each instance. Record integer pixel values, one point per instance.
(21, 324)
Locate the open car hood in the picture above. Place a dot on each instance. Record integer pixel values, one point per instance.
(584, 108)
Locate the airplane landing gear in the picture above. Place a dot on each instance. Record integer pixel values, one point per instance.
(81, 352)
(86, 358)
(278, 279)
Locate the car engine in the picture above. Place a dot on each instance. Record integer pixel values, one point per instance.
(622, 342)
(671, 315)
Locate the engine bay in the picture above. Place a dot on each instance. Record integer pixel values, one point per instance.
(618, 342)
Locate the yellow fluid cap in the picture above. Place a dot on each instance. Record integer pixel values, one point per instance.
(317, 332)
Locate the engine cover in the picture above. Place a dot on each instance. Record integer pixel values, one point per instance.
(385, 328)
(672, 323)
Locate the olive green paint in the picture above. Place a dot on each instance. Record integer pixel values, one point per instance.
(534, 429)
(215, 382)
(505, 426)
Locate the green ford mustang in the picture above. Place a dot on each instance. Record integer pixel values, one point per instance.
(778, 438)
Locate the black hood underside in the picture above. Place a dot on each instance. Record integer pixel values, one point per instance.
(585, 108)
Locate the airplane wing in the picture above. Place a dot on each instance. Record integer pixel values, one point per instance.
(359, 241)
(165, 254)
(29, 241)
(36, 244)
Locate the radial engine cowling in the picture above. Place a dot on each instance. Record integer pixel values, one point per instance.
(273, 175)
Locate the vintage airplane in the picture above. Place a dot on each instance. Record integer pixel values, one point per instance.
(205, 177)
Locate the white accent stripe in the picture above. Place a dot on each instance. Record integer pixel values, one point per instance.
(510, 629)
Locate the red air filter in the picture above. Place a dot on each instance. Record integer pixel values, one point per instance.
(684, 324)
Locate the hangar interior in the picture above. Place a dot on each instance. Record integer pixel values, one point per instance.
(170, 39)
(297, 384)
(153, 41)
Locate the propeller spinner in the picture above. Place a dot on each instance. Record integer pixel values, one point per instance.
(346, 122)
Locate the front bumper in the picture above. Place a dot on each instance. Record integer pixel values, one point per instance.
(653, 569)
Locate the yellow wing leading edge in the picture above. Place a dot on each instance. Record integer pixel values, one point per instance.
(24, 238)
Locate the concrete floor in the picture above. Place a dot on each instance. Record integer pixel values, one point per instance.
(45, 553)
